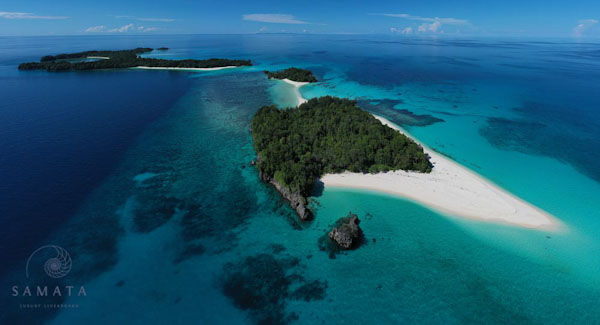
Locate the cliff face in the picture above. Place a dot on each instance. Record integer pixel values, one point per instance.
(297, 201)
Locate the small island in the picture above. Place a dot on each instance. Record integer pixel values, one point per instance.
(296, 146)
(122, 59)
(346, 233)
(293, 74)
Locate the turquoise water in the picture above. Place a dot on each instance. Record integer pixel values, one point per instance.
(182, 231)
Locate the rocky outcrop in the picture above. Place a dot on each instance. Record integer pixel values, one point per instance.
(347, 234)
(297, 200)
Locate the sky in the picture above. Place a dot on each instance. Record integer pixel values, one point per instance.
(528, 18)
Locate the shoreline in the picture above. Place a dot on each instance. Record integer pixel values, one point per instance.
(450, 188)
(297, 85)
(185, 69)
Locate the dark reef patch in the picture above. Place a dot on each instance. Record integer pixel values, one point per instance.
(314, 290)
(387, 72)
(537, 138)
(380, 72)
(153, 211)
(189, 251)
(217, 214)
(262, 284)
(399, 116)
(277, 248)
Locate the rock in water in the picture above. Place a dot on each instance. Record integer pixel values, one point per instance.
(347, 234)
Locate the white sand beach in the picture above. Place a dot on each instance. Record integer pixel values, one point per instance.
(450, 188)
(297, 85)
(186, 69)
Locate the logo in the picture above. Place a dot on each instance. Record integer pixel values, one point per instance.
(49, 288)
(55, 267)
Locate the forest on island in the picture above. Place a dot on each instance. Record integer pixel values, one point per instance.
(120, 60)
(293, 74)
(296, 146)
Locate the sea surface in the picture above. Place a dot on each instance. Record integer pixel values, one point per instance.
(144, 177)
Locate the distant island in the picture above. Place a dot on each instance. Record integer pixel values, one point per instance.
(293, 74)
(296, 146)
(122, 59)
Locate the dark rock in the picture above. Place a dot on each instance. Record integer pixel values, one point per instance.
(297, 201)
(347, 234)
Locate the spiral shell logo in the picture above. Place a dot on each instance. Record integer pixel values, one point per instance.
(55, 267)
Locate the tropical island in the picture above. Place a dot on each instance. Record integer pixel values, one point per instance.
(296, 146)
(123, 59)
(293, 74)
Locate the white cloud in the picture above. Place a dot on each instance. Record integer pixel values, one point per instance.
(433, 27)
(95, 29)
(584, 25)
(273, 18)
(146, 29)
(26, 15)
(429, 25)
(404, 31)
(122, 29)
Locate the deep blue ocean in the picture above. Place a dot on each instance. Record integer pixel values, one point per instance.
(144, 178)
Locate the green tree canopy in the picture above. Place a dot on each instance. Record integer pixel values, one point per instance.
(293, 74)
(328, 135)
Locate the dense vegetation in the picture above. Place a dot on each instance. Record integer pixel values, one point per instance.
(328, 135)
(293, 74)
(121, 59)
(80, 55)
